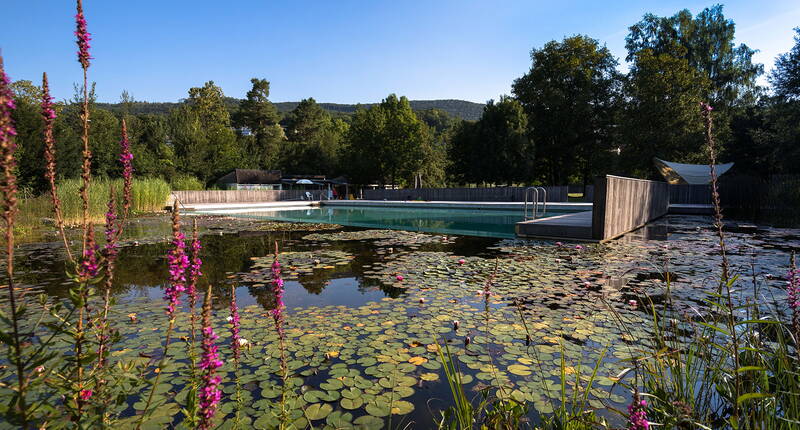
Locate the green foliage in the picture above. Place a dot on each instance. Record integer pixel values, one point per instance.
(785, 77)
(315, 140)
(570, 95)
(257, 114)
(149, 194)
(663, 95)
(186, 183)
(385, 143)
(706, 43)
(496, 148)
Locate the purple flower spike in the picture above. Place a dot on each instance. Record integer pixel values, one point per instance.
(178, 263)
(84, 37)
(210, 394)
(89, 265)
(637, 419)
(236, 338)
(277, 289)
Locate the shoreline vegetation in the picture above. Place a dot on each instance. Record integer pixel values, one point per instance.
(148, 195)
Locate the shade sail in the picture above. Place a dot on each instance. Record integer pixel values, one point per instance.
(697, 174)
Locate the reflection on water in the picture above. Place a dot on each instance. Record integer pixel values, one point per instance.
(141, 270)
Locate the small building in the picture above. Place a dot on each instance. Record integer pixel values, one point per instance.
(251, 179)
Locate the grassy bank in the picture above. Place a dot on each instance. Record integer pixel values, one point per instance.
(148, 195)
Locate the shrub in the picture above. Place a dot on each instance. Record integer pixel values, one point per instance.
(187, 183)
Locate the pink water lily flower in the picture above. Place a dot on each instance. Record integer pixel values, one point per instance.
(461, 261)
(399, 277)
(86, 394)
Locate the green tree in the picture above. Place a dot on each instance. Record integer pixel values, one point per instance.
(496, 148)
(385, 143)
(314, 140)
(707, 46)
(30, 147)
(661, 115)
(202, 136)
(785, 77)
(775, 126)
(570, 96)
(260, 117)
(153, 156)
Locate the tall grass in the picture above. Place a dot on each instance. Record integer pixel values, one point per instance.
(187, 183)
(149, 195)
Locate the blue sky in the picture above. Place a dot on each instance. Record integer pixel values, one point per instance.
(342, 51)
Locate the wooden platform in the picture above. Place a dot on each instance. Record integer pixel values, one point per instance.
(568, 227)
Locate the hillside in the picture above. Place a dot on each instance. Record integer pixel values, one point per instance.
(458, 108)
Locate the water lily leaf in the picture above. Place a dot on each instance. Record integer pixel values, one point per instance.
(318, 411)
(351, 404)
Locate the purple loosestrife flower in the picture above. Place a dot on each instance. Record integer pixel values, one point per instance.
(89, 265)
(84, 37)
(235, 326)
(49, 118)
(194, 267)
(793, 290)
(277, 289)
(126, 158)
(210, 393)
(8, 183)
(637, 418)
(111, 231)
(178, 263)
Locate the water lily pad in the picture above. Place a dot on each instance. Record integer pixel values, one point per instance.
(318, 411)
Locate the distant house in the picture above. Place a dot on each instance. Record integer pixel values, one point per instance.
(251, 179)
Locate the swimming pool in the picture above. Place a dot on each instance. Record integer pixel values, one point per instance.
(468, 222)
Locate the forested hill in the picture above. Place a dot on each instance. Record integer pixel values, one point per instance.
(457, 108)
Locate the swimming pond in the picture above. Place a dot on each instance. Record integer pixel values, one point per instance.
(469, 222)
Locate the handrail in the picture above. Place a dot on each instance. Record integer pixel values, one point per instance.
(535, 202)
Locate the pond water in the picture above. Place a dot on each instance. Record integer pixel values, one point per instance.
(363, 342)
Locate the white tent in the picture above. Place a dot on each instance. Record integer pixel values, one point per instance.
(679, 173)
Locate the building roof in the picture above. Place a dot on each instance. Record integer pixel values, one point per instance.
(679, 173)
(251, 176)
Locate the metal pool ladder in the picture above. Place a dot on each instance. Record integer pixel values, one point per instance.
(535, 202)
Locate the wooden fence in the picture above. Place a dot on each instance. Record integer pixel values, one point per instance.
(690, 194)
(497, 194)
(240, 196)
(749, 194)
(625, 204)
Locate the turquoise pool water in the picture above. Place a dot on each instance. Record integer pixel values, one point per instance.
(468, 222)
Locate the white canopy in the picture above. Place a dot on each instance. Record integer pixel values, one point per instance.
(679, 173)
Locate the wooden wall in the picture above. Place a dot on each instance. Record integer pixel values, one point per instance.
(240, 196)
(690, 194)
(496, 194)
(624, 204)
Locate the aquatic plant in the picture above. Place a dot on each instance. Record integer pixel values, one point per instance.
(126, 159)
(236, 347)
(8, 187)
(793, 295)
(83, 38)
(49, 117)
(637, 414)
(210, 394)
(277, 316)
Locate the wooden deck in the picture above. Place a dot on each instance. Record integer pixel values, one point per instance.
(568, 227)
(691, 209)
